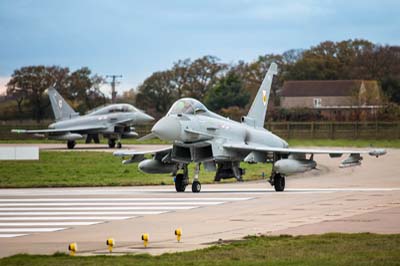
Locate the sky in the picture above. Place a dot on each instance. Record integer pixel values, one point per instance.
(136, 38)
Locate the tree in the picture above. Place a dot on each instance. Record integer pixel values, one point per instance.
(32, 81)
(157, 93)
(28, 84)
(227, 92)
(202, 75)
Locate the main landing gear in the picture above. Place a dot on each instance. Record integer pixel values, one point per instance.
(112, 142)
(182, 180)
(278, 181)
(71, 144)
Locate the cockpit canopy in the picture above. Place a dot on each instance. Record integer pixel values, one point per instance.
(113, 108)
(187, 106)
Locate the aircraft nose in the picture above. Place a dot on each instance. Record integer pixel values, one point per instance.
(143, 118)
(167, 128)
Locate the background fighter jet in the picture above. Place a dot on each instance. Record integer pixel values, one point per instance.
(201, 136)
(113, 122)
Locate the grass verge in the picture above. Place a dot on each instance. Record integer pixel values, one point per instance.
(66, 169)
(383, 143)
(328, 249)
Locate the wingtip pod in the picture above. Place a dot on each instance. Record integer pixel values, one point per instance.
(18, 131)
(119, 153)
(377, 152)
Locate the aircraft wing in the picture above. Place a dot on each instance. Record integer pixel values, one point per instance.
(57, 130)
(332, 153)
(137, 156)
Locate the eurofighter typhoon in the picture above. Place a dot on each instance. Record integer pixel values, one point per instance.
(113, 121)
(220, 144)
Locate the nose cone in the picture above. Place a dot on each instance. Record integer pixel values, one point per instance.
(167, 128)
(143, 118)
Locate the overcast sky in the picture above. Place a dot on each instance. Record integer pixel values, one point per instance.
(136, 38)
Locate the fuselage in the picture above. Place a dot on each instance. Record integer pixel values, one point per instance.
(201, 127)
(106, 117)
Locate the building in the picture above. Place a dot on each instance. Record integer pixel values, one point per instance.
(334, 99)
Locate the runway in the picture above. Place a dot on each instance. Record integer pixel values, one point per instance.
(360, 199)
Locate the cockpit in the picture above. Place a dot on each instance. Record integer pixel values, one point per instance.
(187, 106)
(113, 108)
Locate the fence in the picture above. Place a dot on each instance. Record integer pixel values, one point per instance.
(287, 130)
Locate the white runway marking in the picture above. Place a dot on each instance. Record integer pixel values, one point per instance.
(63, 218)
(47, 223)
(190, 203)
(24, 215)
(97, 208)
(11, 235)
(83, 213)
(30, 230)
(141, 191)
(119, 199)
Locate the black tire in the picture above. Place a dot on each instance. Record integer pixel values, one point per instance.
(111, 143)
(119, 145)
(196, 187)
(180, 184)
(279, 182)
(71, 144)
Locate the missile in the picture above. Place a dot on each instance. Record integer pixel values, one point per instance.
(293, 166)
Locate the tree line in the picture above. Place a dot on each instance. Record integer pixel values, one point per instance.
(224, 88)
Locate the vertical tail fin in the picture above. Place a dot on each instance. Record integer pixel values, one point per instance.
(258, 109)
(61, 108)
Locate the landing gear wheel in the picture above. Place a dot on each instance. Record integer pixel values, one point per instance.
(71, 144)
(196, 187)
(279, 182)
(111, 143)
(180, 183)
(119, 145)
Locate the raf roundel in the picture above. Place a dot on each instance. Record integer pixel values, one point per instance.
(264, 97)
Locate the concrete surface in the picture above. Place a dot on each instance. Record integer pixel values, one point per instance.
(364, 198)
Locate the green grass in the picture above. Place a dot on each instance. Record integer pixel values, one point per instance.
(82, 141)
(60, 169)
(384, 143)
(327, 250)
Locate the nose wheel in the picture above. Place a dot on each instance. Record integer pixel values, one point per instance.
(196, 186)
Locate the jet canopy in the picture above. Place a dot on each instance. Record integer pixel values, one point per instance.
(187, 106)
(113, 108)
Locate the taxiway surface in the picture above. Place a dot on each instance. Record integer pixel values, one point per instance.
(360, 199)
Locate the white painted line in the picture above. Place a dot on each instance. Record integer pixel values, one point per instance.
(66, 218)
(82, 213)
(47, 223)
(98, 208)
(169, 190)
(183, 199)
(11, 235)
(110, 204)
(30, 230)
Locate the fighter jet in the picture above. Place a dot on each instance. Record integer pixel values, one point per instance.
(113, 121)
(220, 144)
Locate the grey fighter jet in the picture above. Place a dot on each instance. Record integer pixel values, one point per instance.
(113, 121)
(220, 144)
